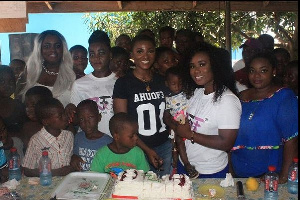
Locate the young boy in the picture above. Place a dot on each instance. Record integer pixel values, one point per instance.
(176, 104)
(166, 36)
(12, 111)
(58, 142)
(122, 153)
(124, 41)
(18, 67)
(32, 126)
(90, 139)
(164, 59)
(98, 85)
(80, 60)
(119, 63)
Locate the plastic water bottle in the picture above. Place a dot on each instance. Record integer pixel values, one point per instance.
(293, 177)
(14, 169)
(45, 169)
(271, 184)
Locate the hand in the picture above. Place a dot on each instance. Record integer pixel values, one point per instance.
(75, 162)
(183, 130)
(154, 159)
(70, 111)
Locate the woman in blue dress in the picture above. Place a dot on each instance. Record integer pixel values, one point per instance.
(268, 133)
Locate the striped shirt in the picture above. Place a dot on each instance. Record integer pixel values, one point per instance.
(60, 149)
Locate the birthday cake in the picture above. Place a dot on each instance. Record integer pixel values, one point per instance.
(135, 184)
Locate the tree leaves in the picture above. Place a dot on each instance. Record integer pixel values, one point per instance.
(209, 23)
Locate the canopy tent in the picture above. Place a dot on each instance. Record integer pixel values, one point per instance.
(14, 14)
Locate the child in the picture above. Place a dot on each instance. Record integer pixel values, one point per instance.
(98, 85)
(283, 58)
(12, 111)
(176, 104)
(90, 139)
(18, 66)
(184, 42)
(166, 36)
(164, 59)
(119, 63)
(124, 41)
(5, 144)
(58, 142)
(80, 60)
(290, 79)
(32, 126)
(122, 153)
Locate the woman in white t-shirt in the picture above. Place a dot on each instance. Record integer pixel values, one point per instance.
(213, 111)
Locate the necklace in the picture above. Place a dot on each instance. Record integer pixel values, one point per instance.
(147, 83)
(47, 71)
(253, 112)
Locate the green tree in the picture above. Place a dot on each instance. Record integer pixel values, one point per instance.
(209, 23)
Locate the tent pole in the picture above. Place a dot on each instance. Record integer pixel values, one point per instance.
(227, 27)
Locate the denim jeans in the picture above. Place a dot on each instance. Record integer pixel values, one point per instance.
(220, 174)
(165, 152)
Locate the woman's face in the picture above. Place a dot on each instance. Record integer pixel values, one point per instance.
(200, 71)
(261, 73)
(52, 49)
(143, 54)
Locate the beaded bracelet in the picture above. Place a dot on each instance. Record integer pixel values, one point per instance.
(192, 137)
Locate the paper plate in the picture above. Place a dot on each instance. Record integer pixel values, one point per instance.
(205, 190)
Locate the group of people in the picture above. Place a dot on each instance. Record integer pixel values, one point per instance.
(165, 109)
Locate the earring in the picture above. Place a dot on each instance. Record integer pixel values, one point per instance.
(274, 75)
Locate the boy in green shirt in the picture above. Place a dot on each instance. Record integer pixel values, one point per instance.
(122, 153)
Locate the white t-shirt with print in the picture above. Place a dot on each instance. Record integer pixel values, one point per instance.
(99, 90)
(207, 117)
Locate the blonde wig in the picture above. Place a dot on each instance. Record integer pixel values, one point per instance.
(66, 75)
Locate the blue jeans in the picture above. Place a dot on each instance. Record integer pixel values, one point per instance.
(165, 152)
(220, 174)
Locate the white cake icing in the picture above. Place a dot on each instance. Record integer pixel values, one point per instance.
(136, 183)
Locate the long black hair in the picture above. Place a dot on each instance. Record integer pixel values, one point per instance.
(221, 68)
